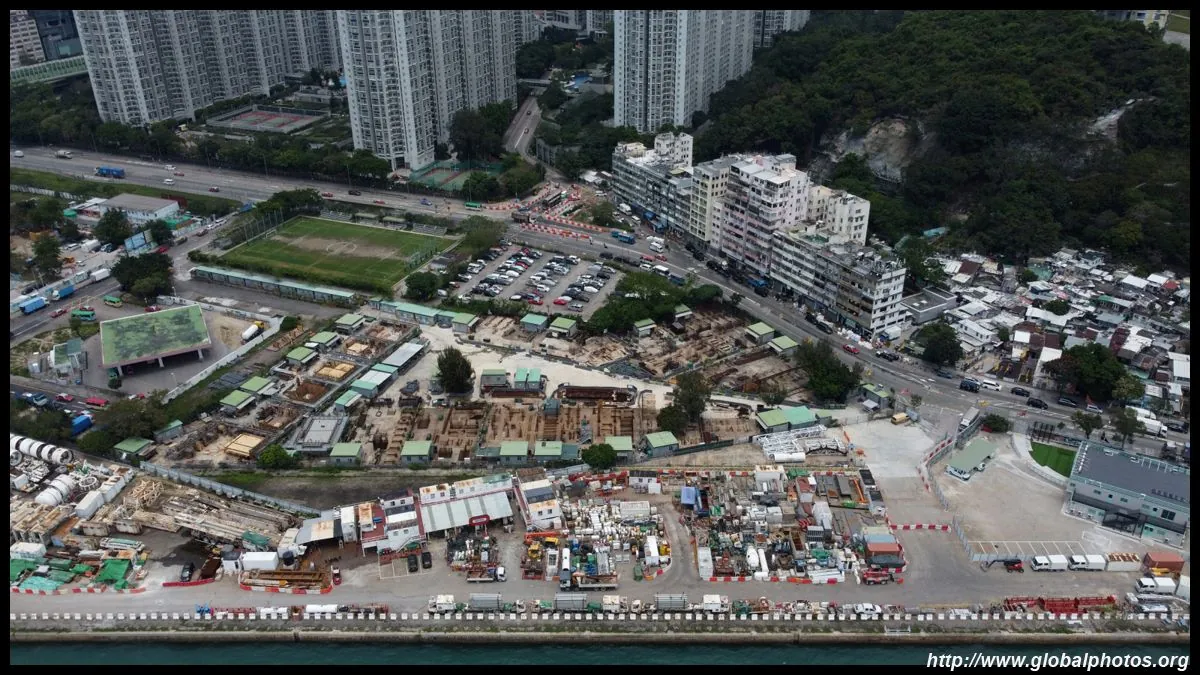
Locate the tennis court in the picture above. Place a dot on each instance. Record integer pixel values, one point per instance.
(269, 121)
(449, 175)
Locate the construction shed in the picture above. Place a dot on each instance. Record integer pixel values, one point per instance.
(514, 452)
(346, 454)
(760, 333)
(134, 447)
(622, 444)
(236, 401)
(416, 452)
(643, 328)
(301, 356)
(563, 327)
(256, 385)
(371, 383)
(464, 322)
(971, 459)
(348, 323)
(661, 443)
(347, 400)
(324, 340)
(534, 323)
(786, 418)
(169, 432)
(528, 379)
(547, 451)
(783, 345)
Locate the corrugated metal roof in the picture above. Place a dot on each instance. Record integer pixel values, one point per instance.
(459, 512)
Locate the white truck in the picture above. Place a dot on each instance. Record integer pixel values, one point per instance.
(716, 604)
(615, 604)
(1050, 563)
(1153, 427)
(101, 274)
(1090, 563)
(1156, 585)
(253, 330)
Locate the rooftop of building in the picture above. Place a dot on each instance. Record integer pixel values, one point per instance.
(127, 202)
(1136, 473)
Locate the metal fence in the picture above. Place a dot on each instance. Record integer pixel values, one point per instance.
(272, 328)
(710, 446)
(225, 490)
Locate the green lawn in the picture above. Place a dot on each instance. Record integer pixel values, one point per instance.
(143, 336)
(328, 251)
(1053, 457)
(201, 205)
(1180, 21)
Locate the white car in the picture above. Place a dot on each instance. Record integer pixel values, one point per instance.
(169, 167)
(543, 288)
(512, 274)
(516, 297)
(574, 259)
(18, 154)
(168, 181)
(591, 289)
(646, 266)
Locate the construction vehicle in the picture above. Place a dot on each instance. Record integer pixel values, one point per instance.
(443, 604)
(570, 602)
(752, 607)
(588, 582)
(669, 602)
(1050, 563)
(715, 604)
(486, 575)
(1010, 565)
(485, 602)
(1090, 563)
(63, 293)
(877, 577)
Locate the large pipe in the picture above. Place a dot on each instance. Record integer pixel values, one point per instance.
(46, 452)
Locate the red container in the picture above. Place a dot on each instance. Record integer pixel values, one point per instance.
(1162, 560)
(1096, 601)
(883, 548)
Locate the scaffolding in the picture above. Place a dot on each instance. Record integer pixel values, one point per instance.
(788, 442)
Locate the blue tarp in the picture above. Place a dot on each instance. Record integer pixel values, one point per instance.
(687, 496)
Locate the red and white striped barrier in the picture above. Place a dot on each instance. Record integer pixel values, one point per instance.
(572, 223)
(289, 591)
(790, 580)
(921, 526)
(71, 591)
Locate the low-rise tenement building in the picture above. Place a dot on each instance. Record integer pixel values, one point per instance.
(855, 286)
(762, 195)
(655, 182)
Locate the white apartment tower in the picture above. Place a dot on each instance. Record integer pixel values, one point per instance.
(762, 195)
(770, 22)
(24, 42)
(409, 71)
(526, 26)
(669, 62)
(838, 214)
(152, 65)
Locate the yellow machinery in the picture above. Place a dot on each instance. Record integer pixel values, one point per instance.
(535, 550)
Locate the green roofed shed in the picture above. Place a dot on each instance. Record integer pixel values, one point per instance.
(132, 446)
(237, 399)
(255, 384)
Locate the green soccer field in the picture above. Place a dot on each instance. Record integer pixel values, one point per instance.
(328, 250)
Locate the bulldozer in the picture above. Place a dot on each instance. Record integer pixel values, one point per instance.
(535, 550)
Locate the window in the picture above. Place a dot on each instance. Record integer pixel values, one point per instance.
(1124, 501)
(1167, 515)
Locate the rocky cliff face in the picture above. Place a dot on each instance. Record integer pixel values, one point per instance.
(889, 146)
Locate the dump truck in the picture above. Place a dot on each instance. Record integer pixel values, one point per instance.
(520, 217)
(615, 603)
(63, 293)
(716, 604)
(444, 604)
(485, 602)
(570, 602)
(1091, 563)
(670, 602)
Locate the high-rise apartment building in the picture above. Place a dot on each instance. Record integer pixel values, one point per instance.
(762, 195)
(527, 27)
(152, 65)
(669, 62)
(770, 22)
(838, 213)
(409, 71)
(598, 21)
(24, 43)
(56, 29)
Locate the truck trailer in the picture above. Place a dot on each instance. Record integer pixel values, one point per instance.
(1090, 563)
(63, 293)
(101, 274)
(716, 604)
(670, 602)
(485, 602)
(32, 305)
(615, 604)
(570, 602)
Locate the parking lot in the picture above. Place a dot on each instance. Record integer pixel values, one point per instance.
(546, 281)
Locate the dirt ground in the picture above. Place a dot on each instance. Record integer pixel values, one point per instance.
(335, 247)
(328, 491)
(20, 245)
(226, 329)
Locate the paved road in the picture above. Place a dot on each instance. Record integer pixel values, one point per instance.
(519, 136)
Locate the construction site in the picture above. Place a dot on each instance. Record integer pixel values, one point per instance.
(76, 523)
(210, 441)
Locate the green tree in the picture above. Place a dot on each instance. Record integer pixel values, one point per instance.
(923, 269)
(113, 228)
(455, 372)
(915, 401)
(422, 286)
(734, 299)
(520, 179)
(481, 186)
(673, 419)
(154, 266)
(69, 230)
(603, 214)
(570, 164)
(1027, 276)
(275, 457)
(45, 425)
(828, 377)
(1087, 422)
(159, 231)
(150, 287)
(1128, 388)
(1059, 307)
(1126, 425)
(471, 137)
(941, 345)
(691, 394)
(289, 323)
(997, 423)
(1002, 334)
(134, 417)
(47, 256)
(773, 394)
(47, 213)
(98, 442)
(1093, 369)
(601, 456)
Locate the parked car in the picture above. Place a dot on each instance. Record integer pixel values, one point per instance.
(426, 559)
(412, 564)
(64, 398)
(943, 372)
(327, 195)
(1036, 403)
(1070, 403)
(179, 173)
(575, 306)
(152, 308)
(337, 575)
(168, 181)
(535, 301)
(562, 300)
(1018, 391)
(1179, 427)
(850, 348)
(378, 201)
(58, 312)
(188, 570)
(606, 256)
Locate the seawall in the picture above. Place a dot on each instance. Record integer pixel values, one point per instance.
(573, 637)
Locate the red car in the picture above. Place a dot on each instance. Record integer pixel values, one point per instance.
(535, 301)
(660, 257)
(327, 195)
(152, 308)
(58, 312)
(178, 173)
(380, 202)
(161, 249)
(561, 301)
(850, 348)
(214, 189)
(88, 308)
(64, 398)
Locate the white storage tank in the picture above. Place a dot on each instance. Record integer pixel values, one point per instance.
(14, 457)
(57, 493)
(89, 505)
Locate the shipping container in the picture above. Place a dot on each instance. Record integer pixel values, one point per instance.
(24, 550)
(570, 602)
(1162, 560)
(89, 505)
(484, 602)
(669, 602)
(253, 560)
(874, 549)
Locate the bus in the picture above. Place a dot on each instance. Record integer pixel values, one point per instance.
(474, 206)
(83, 315)
(662, 270)
(556, 200)
(112, 301)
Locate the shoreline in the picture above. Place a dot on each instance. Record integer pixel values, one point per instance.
(781, 638)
